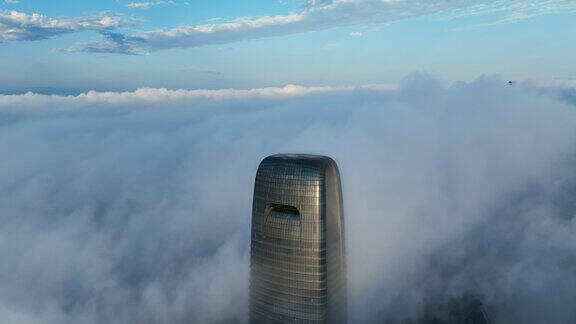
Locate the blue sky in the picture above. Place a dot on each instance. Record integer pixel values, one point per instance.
(248, 44)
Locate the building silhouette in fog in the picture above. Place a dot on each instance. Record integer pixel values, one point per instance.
(298, 259)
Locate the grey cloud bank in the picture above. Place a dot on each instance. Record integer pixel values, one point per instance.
(115, 205)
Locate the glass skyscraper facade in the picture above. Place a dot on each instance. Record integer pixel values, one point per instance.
(298, 258)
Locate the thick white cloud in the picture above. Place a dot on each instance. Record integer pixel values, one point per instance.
(16, 25)
(134, 207)
(149, 96)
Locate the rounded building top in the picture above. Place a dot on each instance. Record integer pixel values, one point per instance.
(301, 157)
(297, 164)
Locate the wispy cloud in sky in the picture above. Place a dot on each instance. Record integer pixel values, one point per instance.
(318, 15)
(147, 5)
(19, 26)
(519, 10)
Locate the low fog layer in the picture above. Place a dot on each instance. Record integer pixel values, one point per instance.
(135, 207)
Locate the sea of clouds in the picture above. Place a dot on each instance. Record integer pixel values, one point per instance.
(135, 207)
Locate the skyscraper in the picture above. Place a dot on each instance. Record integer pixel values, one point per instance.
(298, 259)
